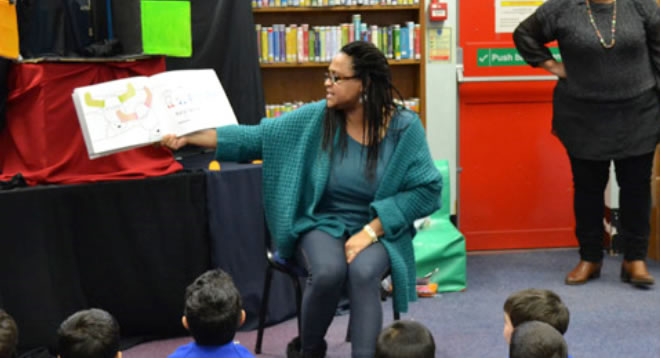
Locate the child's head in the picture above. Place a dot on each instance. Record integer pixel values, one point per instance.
(534, 305)
(91, 333)
(405, 339)
(535, 339)
(213, 311)
(8, 335)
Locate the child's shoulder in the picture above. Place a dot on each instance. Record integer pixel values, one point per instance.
(238, 351)
(229, 350)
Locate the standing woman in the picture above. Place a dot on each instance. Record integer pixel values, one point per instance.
(605, 108)
(343, 181)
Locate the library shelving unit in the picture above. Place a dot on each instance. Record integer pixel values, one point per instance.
(288, 82)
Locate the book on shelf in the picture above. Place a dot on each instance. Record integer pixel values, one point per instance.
(132, 112)
(328, 3)
(302, 43)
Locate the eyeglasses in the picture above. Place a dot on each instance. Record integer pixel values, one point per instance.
(337, 79)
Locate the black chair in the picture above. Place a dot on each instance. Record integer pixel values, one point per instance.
(295, 272)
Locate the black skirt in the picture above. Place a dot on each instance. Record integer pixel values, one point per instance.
(606, 130)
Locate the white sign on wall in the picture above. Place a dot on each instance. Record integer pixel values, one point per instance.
(509, 13)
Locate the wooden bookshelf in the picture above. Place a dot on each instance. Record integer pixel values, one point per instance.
(289, 82)
(337, 8)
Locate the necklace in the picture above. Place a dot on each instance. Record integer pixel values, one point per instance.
(593, 23)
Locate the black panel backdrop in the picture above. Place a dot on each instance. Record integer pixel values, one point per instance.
(4, 70)
(130, 247)
(224, 39)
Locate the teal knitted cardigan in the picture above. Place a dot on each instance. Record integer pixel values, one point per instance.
(296, 171)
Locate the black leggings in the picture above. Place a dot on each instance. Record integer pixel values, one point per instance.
(590, 178)
(325, 260)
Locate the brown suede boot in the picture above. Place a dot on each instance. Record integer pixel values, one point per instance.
(584, 271)
(636, 273)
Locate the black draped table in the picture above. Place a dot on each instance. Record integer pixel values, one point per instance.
(131, 247)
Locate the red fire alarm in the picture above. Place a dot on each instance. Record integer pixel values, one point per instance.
(438, 10)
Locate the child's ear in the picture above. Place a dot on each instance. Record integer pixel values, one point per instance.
(242, 318)
(184, 322)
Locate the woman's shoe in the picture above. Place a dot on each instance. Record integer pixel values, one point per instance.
(293, 350)
(636, 273)
(583, 272)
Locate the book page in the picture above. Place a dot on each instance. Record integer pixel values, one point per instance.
(118, 114)
(193, 100)
(137, 111)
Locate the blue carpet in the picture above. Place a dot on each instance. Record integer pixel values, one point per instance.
(608, 318)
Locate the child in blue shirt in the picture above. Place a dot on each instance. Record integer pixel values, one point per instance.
(212, 314)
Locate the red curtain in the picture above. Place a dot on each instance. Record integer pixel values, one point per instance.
(42, 138)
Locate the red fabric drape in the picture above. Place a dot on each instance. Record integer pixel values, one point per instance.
(42, 138)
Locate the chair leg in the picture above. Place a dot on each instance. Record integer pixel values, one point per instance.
(396, 315)
(263, 309)
(296, 285)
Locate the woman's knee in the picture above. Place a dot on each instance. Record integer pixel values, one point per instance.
(329, 274)
(364, 274)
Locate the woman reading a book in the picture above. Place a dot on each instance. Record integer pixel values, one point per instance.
(343, 180)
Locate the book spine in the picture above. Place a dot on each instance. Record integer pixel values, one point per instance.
(374, 35)
(271, 44)
(344, 34)
(322, 42)
(418, 42)
(299, 45)
(282, 43)
(382, 46)
(390, 42)
(288, 34)
(317, 44)
(264, 44)
(411, 39)
(276, 42)
(312, 44)
(257, 31)
(305, 43)
(396, 32)
(404, 43)
(357, 19)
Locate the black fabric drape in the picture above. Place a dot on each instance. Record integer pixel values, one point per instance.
(129, 247)
(243, 240)
(224, 39)
(4, 72)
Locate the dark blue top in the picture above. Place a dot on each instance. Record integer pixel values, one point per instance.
(229, 350)
(349, 191)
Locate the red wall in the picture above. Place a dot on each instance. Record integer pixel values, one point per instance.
(515, 187)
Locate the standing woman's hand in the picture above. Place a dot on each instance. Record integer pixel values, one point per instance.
(554, 67)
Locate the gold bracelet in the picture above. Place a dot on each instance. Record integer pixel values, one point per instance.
(371, 233)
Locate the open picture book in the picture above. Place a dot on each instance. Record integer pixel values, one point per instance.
(132, 112)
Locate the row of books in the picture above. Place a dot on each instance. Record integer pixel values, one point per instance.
(301, 43)
(276, 110)
(321, 3)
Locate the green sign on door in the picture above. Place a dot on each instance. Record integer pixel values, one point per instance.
(491, 57)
